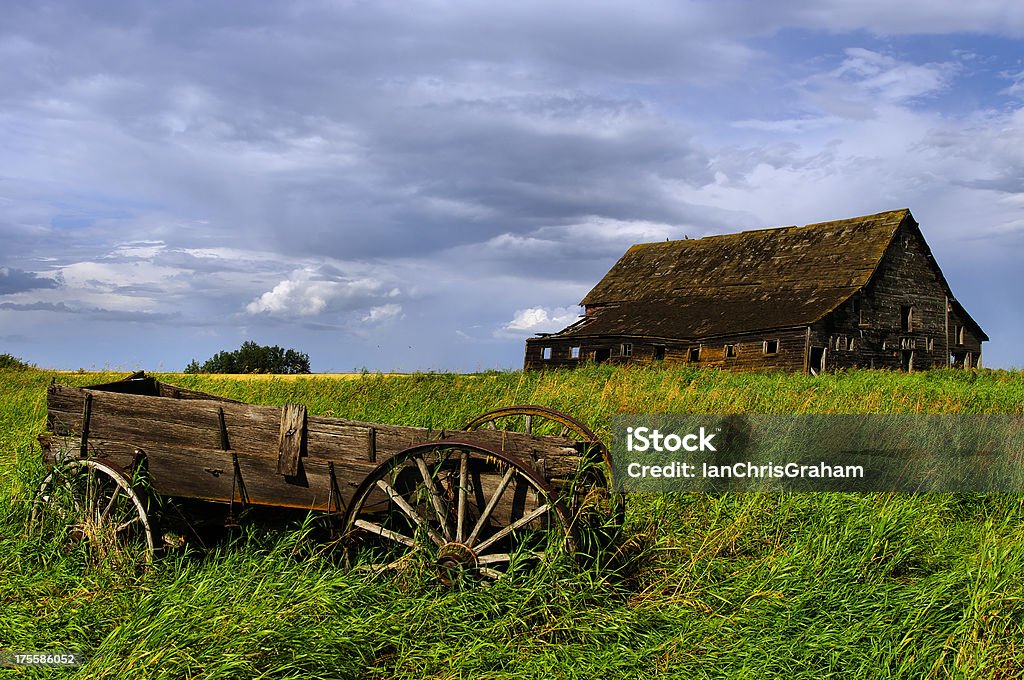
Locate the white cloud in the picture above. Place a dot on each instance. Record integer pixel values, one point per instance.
(541, 319)
(1016, 88)
(891, 79)
(143, 250)
(309, 293)
(383, 313)
(867, 81)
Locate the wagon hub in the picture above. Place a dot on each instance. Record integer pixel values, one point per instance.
(453, 560)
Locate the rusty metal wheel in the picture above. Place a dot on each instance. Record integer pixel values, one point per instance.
(91, 504)
(597, 510)
(538, 420)
(456, 508)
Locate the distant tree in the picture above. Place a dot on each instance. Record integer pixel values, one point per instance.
(253, 358)
(11, 361)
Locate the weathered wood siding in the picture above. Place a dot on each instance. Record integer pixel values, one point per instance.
(182, 441)
(749, 349)
(906, 283)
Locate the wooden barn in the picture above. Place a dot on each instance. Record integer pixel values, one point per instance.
(861, 292)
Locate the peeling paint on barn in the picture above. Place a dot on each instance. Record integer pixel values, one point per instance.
(864, 292)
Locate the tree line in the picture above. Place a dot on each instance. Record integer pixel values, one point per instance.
(253, 358)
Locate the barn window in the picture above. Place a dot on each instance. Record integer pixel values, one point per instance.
(730, 351)
(771, 346)
(693, 355)
(626, 349)
(931, 344)
(858, 310)
(958, 331)
(546, 353)
(659, 353)
(574, 352)
(853, 344)
(906, 318)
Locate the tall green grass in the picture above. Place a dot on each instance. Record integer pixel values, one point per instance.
(727, 586)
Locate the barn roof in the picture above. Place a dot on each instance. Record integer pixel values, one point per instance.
(753, 280)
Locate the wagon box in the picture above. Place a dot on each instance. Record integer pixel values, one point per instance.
(454, 490)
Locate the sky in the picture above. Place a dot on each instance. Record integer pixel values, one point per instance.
(422, 186)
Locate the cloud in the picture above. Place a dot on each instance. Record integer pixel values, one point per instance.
(310, 293)
(17, 281)
(915, 17)
(94, 313)
(1016, 87)
(891, 79)
(383, 313)
(866, 81)
(541, 319)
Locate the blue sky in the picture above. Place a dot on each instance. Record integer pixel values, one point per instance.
(422, 186)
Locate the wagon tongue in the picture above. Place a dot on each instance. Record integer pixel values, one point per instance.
(453, 561)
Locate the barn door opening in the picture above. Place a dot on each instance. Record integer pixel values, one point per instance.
(907, 360)
(816, 362)
(602, 354)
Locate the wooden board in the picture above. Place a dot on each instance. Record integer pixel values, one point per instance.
(292, 441)
(183, 438)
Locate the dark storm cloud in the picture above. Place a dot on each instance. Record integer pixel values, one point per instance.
(17, 281)
(93, 313)
(321, 136)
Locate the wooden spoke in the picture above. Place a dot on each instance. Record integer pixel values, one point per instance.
(463, 494)
(493, 574)
(124, 525)
(386, 533)
(110, 504)
(491, 504)
(598, 515)
(435, 496)
(522, 521)
(409, 511)
(498, 558)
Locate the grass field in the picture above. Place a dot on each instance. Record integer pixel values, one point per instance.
(697, 586)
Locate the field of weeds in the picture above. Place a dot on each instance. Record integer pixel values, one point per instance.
(734, 585)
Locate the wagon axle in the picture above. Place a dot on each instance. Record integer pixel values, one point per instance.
(454, 560)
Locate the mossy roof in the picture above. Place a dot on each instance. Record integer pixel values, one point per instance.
(735, 283)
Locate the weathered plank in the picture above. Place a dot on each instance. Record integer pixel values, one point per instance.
(292, 440)
(208, 474)
(142, 421)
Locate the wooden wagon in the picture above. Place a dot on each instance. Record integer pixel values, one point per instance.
(475, 500)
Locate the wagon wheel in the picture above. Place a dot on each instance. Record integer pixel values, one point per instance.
(593, 504)
(91, 503)
(460, 508)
